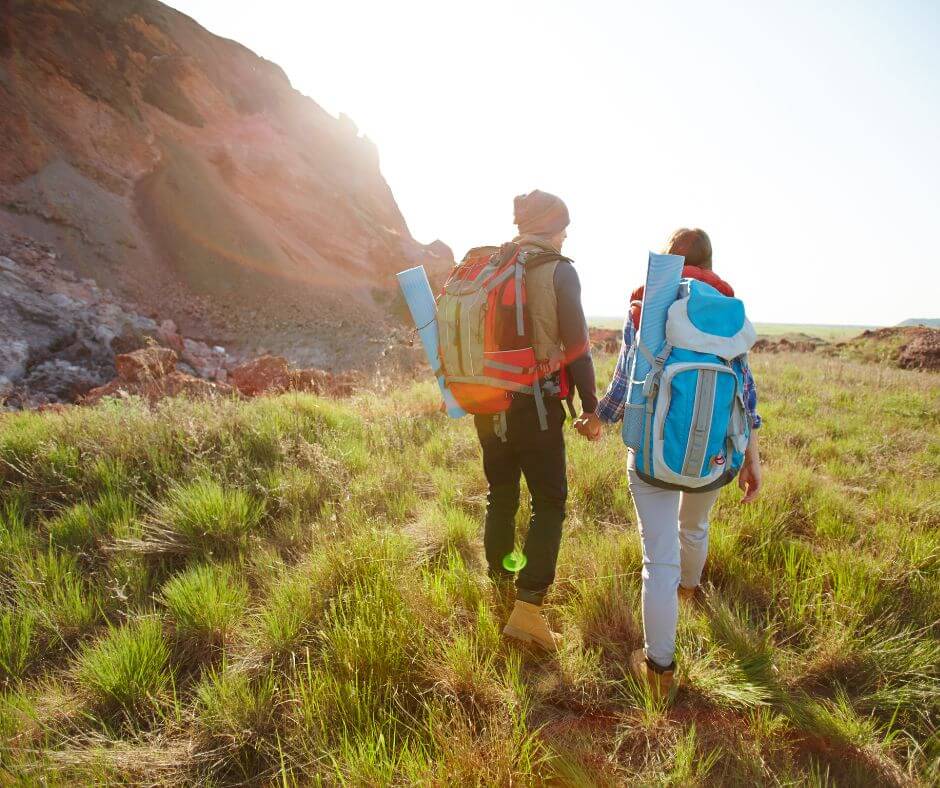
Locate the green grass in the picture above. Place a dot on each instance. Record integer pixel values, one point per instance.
(291, 590)
(127, 669)
(202, 519)
(204, 603)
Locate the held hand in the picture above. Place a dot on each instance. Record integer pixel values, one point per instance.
(589, 426)
(749, 480)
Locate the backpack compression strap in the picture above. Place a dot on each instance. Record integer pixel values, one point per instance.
(650, 389)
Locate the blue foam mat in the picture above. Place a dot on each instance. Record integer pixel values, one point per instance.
(663, 273)
(420, 299)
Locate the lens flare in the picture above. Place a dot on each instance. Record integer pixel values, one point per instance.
(514, 561)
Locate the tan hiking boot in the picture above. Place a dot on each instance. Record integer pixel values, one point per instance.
(527, 624)
(687, 595)
(659, 683)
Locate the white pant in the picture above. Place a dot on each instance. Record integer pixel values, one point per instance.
(674, 533)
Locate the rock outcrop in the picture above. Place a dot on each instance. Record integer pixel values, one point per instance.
(179, 170)
(146, 364)
(922, 351)
(151, 373)
(908, 347)
(59, 334)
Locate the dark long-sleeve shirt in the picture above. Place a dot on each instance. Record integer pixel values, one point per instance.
(574, 334)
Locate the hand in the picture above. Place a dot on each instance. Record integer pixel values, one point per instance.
(749, 480)
(589, 426)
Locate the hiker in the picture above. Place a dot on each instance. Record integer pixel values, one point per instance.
(524, 442)
(673, 525)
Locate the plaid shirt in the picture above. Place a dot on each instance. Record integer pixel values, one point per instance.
(610, 408)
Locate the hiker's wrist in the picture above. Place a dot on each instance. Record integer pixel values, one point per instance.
(752, 452)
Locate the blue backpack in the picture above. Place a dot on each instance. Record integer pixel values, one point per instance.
(695, 425)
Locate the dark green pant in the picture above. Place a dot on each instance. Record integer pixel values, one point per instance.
(539, 455)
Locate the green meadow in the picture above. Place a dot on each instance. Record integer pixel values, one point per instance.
(290, 591)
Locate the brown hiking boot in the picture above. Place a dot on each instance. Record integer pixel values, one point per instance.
(659, 682)
(687, 595)
(527, 624)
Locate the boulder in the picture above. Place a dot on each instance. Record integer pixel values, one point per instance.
(173, 384)
(14, 353)
(264, 375)
(145, 364)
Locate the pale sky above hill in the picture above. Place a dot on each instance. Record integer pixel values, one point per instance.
(804, 137)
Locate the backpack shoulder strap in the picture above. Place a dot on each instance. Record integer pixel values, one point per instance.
(506, 252)
(535, 259)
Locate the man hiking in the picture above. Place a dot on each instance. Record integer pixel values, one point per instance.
(526, 440)
(673, 525)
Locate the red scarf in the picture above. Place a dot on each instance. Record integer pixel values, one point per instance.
(689, 272)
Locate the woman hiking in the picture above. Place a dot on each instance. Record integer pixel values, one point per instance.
(673, 525)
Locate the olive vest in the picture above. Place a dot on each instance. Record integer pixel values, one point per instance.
(543, 304)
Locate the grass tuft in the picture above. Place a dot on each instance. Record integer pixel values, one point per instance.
(18, 643)
(203, 519)
(236, 722)
(204, 603)
(127, 670)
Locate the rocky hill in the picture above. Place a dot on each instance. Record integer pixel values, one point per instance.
(183, 173)
(907, 347)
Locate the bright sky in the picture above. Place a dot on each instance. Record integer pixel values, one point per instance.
(803, 136)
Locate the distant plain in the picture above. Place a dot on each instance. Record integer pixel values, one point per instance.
(830, 333)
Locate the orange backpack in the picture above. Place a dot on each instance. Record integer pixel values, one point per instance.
(484, 332)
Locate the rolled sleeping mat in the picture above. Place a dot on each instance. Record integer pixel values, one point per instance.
(420, 299)
(662, 288)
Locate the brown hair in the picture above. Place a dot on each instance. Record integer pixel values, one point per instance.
(694, 244)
